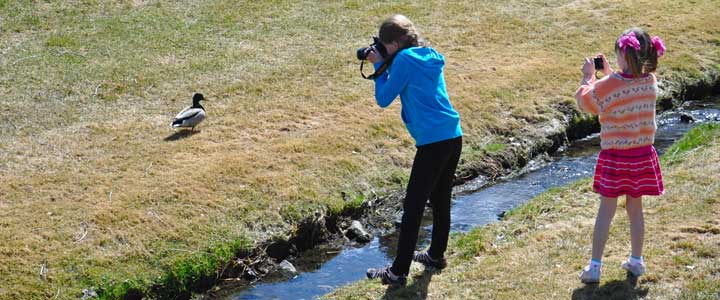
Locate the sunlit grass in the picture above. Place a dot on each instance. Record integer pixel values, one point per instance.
(89, 88)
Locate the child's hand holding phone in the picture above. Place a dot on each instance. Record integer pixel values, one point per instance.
(602, 65)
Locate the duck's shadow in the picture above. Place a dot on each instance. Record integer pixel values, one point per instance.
(180, 134)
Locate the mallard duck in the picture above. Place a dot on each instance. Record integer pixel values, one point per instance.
(191, 116)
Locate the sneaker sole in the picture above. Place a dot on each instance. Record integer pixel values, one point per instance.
(386, 282)
(436, 267)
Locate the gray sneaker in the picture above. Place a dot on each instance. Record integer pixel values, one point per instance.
(385, 278)
(635, 269)
(425, 259)
(590, 275)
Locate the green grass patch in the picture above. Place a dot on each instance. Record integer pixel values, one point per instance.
(188, 274)
(698, 137)
(475, 152)
(474, 243)
(492, 148)
(535, 208)
(354, 201)
(61, 40)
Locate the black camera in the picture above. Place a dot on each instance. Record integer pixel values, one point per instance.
(362, 53)
(598, 63)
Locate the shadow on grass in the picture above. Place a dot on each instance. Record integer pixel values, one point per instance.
(417, 290)
(616, 289)
(180, 134)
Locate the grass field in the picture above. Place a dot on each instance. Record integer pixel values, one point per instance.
(99, 191)
(539, 250)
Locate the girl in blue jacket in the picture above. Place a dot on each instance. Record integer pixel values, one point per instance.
(416, 75)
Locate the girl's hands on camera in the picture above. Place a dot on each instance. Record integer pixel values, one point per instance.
(588, 67)
(607, 70)
(374, 57)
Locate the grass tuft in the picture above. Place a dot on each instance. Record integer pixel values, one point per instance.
(188, 274)
(696, 139)
(476, 242)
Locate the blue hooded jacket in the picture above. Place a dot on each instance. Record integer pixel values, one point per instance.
(416, 75)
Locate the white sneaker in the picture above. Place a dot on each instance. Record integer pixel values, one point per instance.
(590, 275)
(636, 269)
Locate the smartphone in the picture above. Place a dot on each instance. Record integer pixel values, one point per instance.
(598, 63)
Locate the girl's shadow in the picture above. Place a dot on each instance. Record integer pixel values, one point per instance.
(180, 134)
(417, 290)
(616, 289)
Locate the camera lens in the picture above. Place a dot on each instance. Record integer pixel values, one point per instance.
(362, 53)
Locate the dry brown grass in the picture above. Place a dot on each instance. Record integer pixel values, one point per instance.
(89, 88)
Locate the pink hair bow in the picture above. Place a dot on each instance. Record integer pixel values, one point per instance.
(629, 40)
(659, 45)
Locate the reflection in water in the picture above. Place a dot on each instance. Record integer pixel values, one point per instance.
(472, 210)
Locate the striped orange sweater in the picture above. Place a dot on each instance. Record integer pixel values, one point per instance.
(626, 109)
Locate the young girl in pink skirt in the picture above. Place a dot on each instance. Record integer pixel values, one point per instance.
(627, 164)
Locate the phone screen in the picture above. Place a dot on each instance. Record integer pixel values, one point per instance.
(598, 63)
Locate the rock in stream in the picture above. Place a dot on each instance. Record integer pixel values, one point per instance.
(287, 269)
(357, 232)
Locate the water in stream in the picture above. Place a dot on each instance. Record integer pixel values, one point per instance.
(333, 268)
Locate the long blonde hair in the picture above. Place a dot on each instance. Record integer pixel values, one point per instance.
(398, 28)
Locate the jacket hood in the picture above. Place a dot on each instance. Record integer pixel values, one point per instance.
(425, 58)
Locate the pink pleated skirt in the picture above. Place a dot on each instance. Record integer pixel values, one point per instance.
(634, 172)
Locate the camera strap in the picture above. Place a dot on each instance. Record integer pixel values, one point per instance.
(377, 73)
(386, 64)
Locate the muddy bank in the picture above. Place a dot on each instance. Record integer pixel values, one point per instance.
(380, 213)
(675, 91)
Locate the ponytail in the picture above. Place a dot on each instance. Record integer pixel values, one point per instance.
(639, 50)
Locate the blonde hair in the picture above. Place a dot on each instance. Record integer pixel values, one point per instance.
(640, 61)
(398, 28)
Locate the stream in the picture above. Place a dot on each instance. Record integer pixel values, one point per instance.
(323, 269)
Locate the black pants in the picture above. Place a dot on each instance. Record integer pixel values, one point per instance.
(431, 178)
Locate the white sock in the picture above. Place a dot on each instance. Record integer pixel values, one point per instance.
(636, 260)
